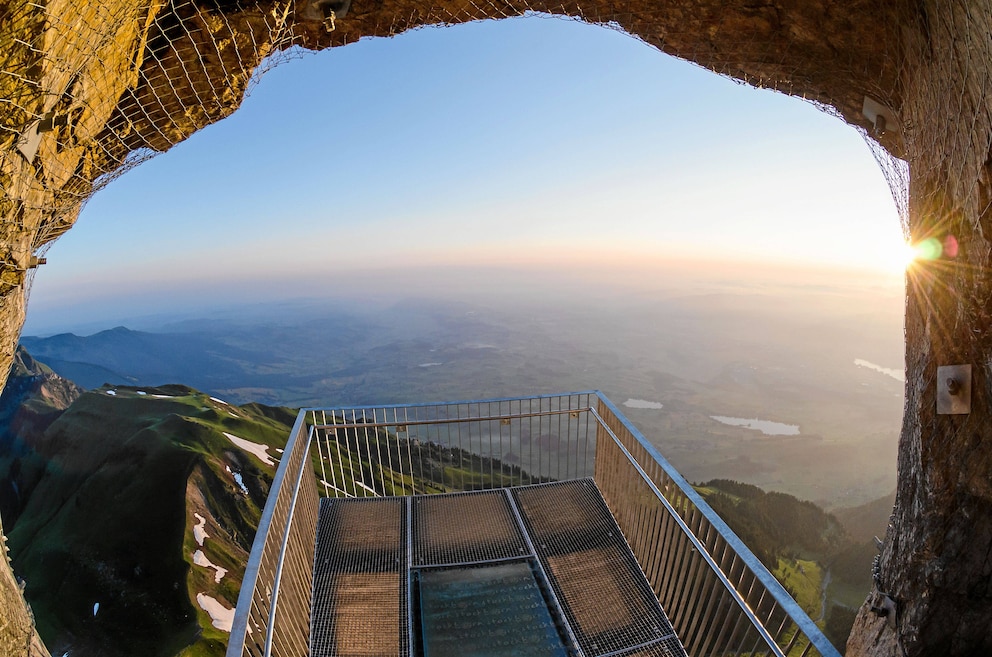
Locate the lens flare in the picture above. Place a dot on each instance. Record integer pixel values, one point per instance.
(929, 249)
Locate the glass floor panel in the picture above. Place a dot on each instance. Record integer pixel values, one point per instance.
(485, 611)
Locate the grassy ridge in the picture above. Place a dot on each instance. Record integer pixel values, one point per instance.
(111, 520)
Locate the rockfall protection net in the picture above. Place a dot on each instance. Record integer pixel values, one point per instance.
(90, 89)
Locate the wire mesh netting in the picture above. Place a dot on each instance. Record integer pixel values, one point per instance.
(89, 90)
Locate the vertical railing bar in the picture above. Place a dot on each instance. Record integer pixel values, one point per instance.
(409, 453)
(506, 438)
(560, 442)
(461, 449)
(586, 440)
(670, 529)
(408, 503)
(492, 465)
(760, 639)
(782, 627)
(567, 403)
(699, 588)
(337, 448)
(687, 567)
(376, 435)
(708, 610)
(540, 451)
(351, 461)
(657, 553)
(320, 457)
(368, 457)
(573, 405)
(730, 642)
(438, 485)
(389, 452)
(722, 609)
(697, 577)
(530, 446)
(792, 642)
(721, 599)
(427, 442)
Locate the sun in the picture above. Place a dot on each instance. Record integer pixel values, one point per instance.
(904, 255)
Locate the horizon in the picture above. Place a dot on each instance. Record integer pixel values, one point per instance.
(377, 288)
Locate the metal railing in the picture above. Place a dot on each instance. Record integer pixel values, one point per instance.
(720, 598)
(272, 618)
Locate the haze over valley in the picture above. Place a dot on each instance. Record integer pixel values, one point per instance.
(769, 348)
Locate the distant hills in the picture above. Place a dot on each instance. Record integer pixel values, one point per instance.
(120, 356)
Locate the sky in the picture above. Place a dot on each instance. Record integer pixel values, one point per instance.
(509, 144)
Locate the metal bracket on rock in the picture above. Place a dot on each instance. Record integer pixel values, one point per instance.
(886, 609)
(326, 11)
(954, 390)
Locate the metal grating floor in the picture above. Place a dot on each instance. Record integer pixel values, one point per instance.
(534, 571)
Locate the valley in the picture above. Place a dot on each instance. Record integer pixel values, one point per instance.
(785, 355)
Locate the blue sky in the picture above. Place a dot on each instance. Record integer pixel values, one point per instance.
(506, 143)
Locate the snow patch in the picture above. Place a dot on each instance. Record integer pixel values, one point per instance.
(222, 617)
(112, 393)
(898, 375)
(140, 392)
(643, 403)
(198, 532)
(371, 490)
(201, 559)
(96, 607)
(238, 479)
(261, 451)
(220, 401)
(766, 427)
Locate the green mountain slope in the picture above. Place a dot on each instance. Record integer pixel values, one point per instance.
(806, 548)
(106, 541)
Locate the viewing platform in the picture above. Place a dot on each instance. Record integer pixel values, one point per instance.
(539, 526)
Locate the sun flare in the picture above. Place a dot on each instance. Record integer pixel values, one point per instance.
(903, 256)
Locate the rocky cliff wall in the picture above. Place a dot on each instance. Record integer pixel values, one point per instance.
(90, 88)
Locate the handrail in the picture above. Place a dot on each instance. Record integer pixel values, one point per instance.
(453, 420)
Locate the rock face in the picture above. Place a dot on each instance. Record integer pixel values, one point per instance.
(90, 88)
(32, 399)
